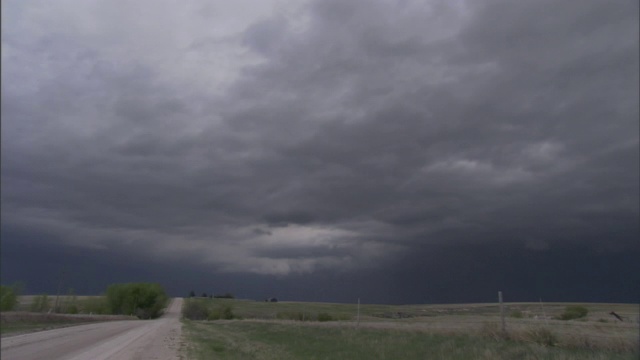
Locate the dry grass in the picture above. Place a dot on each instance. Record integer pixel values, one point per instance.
(537, 328)
(18, 322)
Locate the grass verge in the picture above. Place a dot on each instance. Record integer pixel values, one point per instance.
(14, 323)
(256, 339)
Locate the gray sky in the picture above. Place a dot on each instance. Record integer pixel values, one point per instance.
(283, 141)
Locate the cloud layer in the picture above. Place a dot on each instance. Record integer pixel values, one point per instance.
(289, 138)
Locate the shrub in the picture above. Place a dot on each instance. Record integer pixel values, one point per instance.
(224, 296)
(324, 317)
(227, 312)
(213, 315)
(195, 310)
(141, 299)
(224, 312)
(574, 312)
(8, 298)
(517, 314)
(542, 336)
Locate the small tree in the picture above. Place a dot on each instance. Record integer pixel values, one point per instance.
(144, 300)
(9, 296)
(204, 294)
(192, 294)
(225, 296)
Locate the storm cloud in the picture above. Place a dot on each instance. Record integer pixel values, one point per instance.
(292, 139)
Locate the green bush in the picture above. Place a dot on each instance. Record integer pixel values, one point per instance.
(195, 310)
(227, 312)
(517, 314)
(143, 300)
(199, 310)
(574, 312)
(8, 298)
(324, 317)
(224, 296)
(224, 312)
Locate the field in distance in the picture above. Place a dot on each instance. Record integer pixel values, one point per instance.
(235, 329)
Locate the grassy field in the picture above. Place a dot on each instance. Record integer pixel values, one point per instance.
(290, 330)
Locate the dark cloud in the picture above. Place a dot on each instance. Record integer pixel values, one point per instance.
(332, 137)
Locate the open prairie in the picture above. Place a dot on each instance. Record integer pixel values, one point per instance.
(322, 330)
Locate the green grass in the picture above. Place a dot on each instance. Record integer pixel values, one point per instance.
(27, 327)
(23, 322)
(325, 330)
(255, 339)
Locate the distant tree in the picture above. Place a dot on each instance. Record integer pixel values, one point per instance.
(8, 298)
(143, 300)
(225, 296)
(204, 294)
(192, 294)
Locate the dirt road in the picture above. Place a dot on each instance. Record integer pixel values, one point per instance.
(116, 340)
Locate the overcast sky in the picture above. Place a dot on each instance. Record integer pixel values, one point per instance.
(401, 151)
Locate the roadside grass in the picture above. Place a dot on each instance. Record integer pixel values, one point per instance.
(74, 310)
(21, 328)
(260, 339)
(288, 329)
(18, 322)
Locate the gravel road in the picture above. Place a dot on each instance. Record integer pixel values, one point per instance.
(115, 340)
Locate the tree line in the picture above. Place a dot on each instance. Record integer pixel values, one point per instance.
(144, 300)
